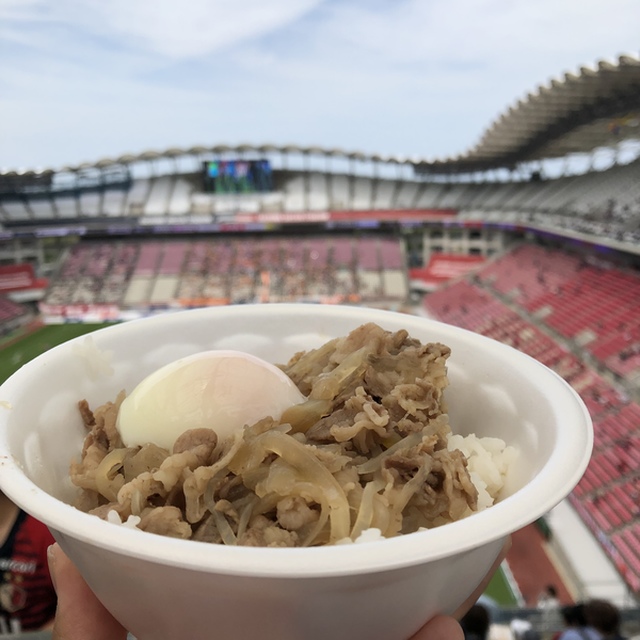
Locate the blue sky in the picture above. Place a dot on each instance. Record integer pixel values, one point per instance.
(84, 79)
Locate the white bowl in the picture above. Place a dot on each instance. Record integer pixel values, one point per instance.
(167, 589)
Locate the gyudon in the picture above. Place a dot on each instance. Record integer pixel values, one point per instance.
(369, 449)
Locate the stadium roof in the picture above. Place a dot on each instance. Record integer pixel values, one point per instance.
(579, 112)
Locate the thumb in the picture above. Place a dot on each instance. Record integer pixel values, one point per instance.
(80, 615)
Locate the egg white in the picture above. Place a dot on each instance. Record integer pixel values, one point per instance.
(219, 390)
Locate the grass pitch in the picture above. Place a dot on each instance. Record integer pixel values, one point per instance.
(500, 590)
(20, 351)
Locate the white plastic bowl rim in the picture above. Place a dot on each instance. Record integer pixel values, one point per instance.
(553, 483)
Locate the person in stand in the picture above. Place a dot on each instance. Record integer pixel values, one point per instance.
(549, 598)
(576, 627)
(549, 606)
(475, 623)
(27, 596)
(604, 617)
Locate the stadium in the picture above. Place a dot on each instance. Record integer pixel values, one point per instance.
(531, 237)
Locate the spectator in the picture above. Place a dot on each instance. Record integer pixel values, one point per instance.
(549, 606)
(27, 597)
(549, 598)
(523, 630)
(604, 617)
(475, 623)
(575, 623)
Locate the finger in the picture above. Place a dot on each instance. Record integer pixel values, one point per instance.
(79, 615)
(473, 598)
(440, 628)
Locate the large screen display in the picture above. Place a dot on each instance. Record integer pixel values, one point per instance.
(237, 176)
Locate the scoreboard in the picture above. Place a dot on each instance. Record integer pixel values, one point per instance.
(237, 176)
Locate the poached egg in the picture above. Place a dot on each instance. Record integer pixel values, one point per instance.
(219, 390)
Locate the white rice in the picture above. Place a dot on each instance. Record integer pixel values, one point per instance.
(132, 521)
(368, 535)
(489, 460)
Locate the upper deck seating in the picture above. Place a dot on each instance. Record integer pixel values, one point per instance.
(595, 304)
(602, 495)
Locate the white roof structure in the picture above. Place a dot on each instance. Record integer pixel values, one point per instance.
(596, 107)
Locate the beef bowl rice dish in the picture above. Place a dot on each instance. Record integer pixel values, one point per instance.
(367, 447)
(388, 459)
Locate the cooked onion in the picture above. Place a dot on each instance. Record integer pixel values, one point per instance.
(108, 481)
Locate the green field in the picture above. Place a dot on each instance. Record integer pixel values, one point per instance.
(12, 357)
(19, 352)
(500, 591)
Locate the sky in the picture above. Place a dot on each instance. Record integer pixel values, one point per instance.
(85, 79)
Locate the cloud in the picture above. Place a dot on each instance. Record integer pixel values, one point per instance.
(199, 27)
(185, 29)
(463, 30)
(84, 79)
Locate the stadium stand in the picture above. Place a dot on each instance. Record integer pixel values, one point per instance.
(585, 300)
(179, 201)
(149, 274)
(607, 496)
(167, 197)
(12, 316)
